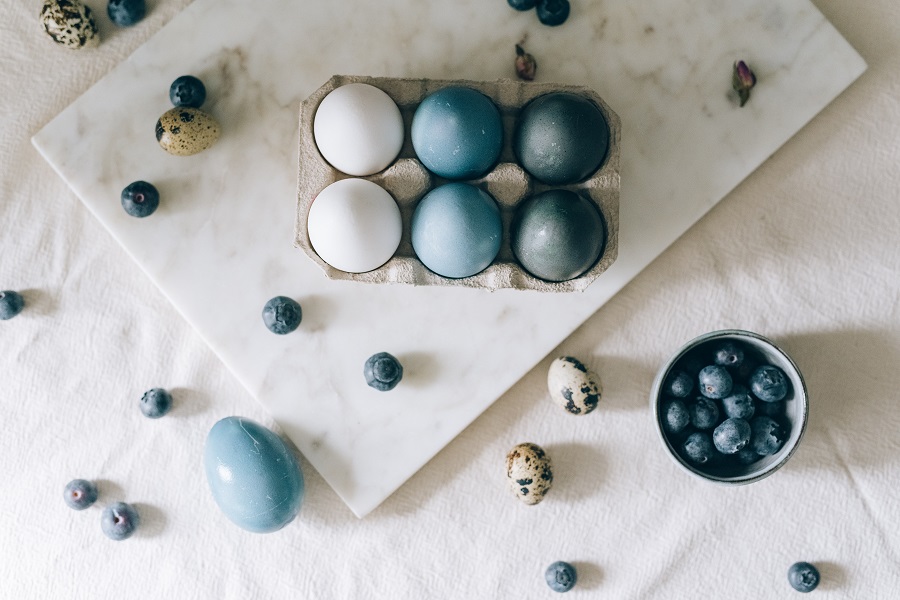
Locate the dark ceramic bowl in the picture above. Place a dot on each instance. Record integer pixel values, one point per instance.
(757, 349)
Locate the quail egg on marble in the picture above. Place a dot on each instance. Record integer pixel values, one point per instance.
(573, 386)
(528, 472)
(70, 23)
(184, 131)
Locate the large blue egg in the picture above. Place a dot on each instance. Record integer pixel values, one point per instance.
(456, 230)
(557, 235)
(252, 475)
(457, 133)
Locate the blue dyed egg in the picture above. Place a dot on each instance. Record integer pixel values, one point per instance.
(457, 133)
(456, 230)
(252, 475)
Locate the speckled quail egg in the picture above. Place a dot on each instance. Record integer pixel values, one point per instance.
(528, 472)
(573, 386)
(70, 23)
(184, 131)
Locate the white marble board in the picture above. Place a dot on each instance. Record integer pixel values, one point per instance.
(221, 243)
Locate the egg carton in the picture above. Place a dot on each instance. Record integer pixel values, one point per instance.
(407, 180)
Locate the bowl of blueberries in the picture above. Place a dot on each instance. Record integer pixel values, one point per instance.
(730, 406)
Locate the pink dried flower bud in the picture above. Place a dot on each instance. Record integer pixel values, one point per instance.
(742, 80)
(525, 64)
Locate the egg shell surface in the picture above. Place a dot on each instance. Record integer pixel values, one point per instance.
(529, 474)
(456, 230)
(358, 129)
(183, 131)
(354, 225)
(253, 477)
(557, 235)
(457, 133)
(70, 23)
(573, 386)
(561, 138)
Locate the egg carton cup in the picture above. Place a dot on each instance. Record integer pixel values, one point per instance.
(407, 180)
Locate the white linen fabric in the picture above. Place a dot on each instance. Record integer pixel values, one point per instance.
(805, 251)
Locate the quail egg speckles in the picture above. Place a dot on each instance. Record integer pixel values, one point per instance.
(528, 472)
(183, 131)
(573, 386)
(70, 23)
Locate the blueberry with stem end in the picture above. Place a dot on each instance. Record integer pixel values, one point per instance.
(769, 383)
(79, 494)
(766, 436)
(561, 576)
(126, 13)
(282, 315)
(731, 436)
(803, 577)
(155, 403)
(522, 4)
(11, 304)
(118, 521)
(553, 12)
(698, 448)
(140, 199)
(728, 353)
(187, 90)
(382, 371)
(715, 382)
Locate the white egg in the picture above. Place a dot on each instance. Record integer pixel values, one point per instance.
(354, 225)
(358, 129)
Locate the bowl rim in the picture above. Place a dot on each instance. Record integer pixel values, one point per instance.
(800, 393)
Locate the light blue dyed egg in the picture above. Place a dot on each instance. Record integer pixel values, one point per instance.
(252, 475)
(457, 133)
(456, 230)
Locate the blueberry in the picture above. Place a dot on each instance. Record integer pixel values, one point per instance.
(766, 436)
(731, 436)
(80, 493)
(125, 13)
(678, 384)
(561, 576)
(11, 304)
(282, 315)
(187, 90)
(553, 12)
(704, 413)
(522, 4)
(746, 455)
(698, 448)
(119, 520)
(383, 372)
(728, 353)
(769, 383)
(803, 577)
(140, 199)
(739, 404)
(155, 403)
(715, 382)
(675, 415)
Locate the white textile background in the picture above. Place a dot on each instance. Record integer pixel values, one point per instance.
(806, 251)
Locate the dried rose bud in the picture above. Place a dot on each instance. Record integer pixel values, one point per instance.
(525, 64)
(742, 80)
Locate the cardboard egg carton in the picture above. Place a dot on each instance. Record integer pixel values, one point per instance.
(407, 180)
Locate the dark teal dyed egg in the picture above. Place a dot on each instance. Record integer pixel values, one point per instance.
(557, 235)
(457, 133)
(253, 477)
(561, 138)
